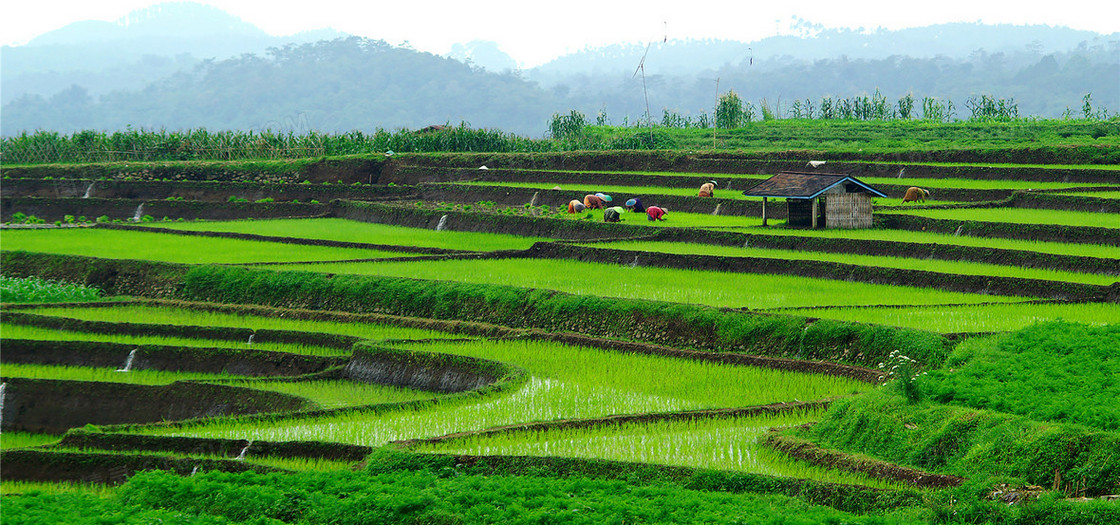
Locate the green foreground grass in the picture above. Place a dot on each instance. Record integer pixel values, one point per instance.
(420, 497)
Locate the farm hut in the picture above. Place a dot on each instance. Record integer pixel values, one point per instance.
(833, 200)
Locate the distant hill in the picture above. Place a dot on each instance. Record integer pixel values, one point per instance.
(187, 65)
(952, 41)
(173, 20)
(143, 46)
(338, 85)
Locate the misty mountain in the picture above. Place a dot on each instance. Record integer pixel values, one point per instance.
(338, 85)
(184, 66)
(483, 54)
(812, 42)
(129, 53)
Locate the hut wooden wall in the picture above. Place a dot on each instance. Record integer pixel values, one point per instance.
(847, 210)
(801, 212)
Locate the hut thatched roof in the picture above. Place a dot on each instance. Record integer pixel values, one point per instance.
(798, 185)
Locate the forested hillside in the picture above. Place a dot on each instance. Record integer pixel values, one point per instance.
(363, 84)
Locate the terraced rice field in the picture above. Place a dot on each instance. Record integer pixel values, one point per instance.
(534, 393)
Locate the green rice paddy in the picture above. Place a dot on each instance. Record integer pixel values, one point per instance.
(135, 376)
(171, 315)
(971, 318)
(333, 229)
(566, 382)
(10, 439)
(337, 393)
(723, 444)
(659, 284)
(16, 331)
(932, 265)
(122, 244)
(1022, 216)
(875, 234)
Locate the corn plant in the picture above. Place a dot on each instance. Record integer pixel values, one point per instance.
(729, 111)
(568, 126)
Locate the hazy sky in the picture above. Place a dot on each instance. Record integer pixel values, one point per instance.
(534, 32)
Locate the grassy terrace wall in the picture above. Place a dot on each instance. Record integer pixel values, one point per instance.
(669, 324)
(158, 357)
(56, 209)
(424, 175)
(1075, 292)
(1036, 232)
(195, 190)
(855, 163)
(513, 196)
(346, 169)
(286, 240)
(53, 407)
(491, 223)
(852, 498)
(420, 370)
(230, 448)
(114, 277)
(1057, 201)
(403, 168)
(973, 443)
(201, 332)
(42, 465)
(592, 180)
(948, 252)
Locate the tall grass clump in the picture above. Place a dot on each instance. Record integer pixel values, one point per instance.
(1034, 407)
(36, 290)
(1056, 371)
(202, 144)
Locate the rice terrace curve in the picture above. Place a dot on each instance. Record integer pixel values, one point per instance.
(410, 338)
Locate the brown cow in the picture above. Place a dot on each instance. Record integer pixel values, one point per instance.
(915, 194)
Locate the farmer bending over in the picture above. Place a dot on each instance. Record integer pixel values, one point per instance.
(635, 205)
(613, 214)
(592, 202)
(708, 189)
(575, 206)
(655, 213)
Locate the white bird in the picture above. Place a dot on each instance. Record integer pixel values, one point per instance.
(816, 163)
